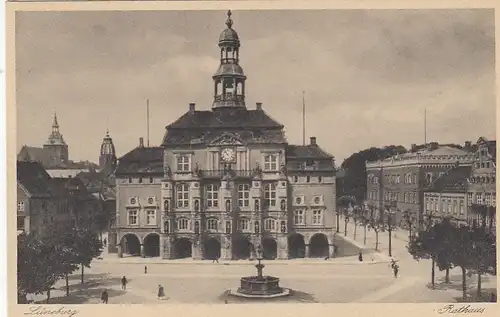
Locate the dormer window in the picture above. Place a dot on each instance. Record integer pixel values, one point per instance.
(271, 162)
(183, 163)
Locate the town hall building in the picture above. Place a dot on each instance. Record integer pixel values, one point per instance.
(225, 182)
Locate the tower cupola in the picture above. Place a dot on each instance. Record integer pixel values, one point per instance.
(107, 157)
(229, 80)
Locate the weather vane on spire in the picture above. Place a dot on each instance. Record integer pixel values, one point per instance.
(229, 22)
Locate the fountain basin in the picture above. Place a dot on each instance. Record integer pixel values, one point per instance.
(263, 286)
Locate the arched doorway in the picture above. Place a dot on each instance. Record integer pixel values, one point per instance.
(318, 246)
(131, 244)
(182, 248)
(242, 248)
(152, 245)
(296, 246)
(212, 249)
(269, 249)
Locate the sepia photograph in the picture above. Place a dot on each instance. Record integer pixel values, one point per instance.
(238, 156)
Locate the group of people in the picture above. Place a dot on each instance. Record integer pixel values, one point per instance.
(124, 282)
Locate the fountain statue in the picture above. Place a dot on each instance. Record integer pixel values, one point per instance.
(260, 286)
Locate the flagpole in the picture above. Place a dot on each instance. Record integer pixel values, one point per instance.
(147, 119)
(425, 126)
(303, 118)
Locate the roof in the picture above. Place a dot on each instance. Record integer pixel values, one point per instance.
(34, 154)
(490, 144)
(63, 186)
(98, 182)
(453, 181)
(145, 160)
(230, 70)
(225, 118)
(306, 151)
(33, 177)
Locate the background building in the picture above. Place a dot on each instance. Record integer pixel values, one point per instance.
(224, 181)
(403, 178)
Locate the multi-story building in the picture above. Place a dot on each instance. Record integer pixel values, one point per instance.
(461, 192)
(224, 181)
(403, 178)
(43, 201)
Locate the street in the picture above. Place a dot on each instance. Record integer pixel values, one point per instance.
(340, 280)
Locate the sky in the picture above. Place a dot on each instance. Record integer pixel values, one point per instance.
(368, 75)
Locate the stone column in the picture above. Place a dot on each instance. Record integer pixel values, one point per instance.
(331, 250)
(195, 249)
(166, 249)
(142, 251)
(119, 249)
(307, 251)
(282, 247)
(226, 252)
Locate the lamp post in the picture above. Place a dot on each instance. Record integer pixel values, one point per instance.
(390, 213)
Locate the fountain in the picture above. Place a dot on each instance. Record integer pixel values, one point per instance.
(260, 286)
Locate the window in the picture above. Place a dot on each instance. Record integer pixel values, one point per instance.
(298, 218)
(271, 162)
(455, 207)
(212, 195)
(479, 198)
(469, 199)
(320, 179)
(462, 207)
(151, 217)
(182, 195)
(487, 199)
(140, 180)
(317, 217)
(130, 179)
(20, 222)
(151, 180)
(182, 224)
(450, 206)
(493, 199)
(308, 179)
(243, 195)
(270, 194)
(436, 205)
(183, 163)
(20, 206)
(212, 224)
(244, 224)
(397, 179)
(132, 217)
(269, 224)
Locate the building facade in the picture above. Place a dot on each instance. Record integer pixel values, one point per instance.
(224, 181)
(404, 178)
(462, 192)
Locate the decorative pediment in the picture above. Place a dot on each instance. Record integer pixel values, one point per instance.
(227, 139)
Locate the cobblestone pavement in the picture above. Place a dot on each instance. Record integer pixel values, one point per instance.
(333, 281)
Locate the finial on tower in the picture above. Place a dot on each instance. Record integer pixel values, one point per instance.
(229, 21)
(107, 132)
(54, 123)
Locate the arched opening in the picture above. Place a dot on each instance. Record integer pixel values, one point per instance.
(182, 248)
(242, 248)
(152, 245)
(318, 246)
(131, 244)
(269, 249)
(212, 249)
(296, 246)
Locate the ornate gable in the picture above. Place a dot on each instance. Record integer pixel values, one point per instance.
(227, 139)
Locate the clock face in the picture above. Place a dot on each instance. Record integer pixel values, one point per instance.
(227, 155)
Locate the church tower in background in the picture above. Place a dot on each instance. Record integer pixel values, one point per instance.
(56, 146)
(107, 157)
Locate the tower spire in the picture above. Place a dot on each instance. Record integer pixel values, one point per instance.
(55, 124)
(229, 80)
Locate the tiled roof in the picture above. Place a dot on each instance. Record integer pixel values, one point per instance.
(147, 160)
(225, 118)
(62, 187)
(453, 181)
(33, 177)
(34, 154)
(98, 182)
(306, 151)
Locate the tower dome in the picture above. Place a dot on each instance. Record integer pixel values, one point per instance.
(229, 79)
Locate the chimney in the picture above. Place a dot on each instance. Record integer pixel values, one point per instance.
(259, 105)
(141, 142)
(468, 145)
(413, 147)
(433, 145)
(313, 140)
(192, 107)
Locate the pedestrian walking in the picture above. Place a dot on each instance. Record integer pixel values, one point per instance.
(360, 256)
(145, 269)
(104, 241)
(215, 259)
(161, 292)
(104, 297)
(396, 270)
(124, 282)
